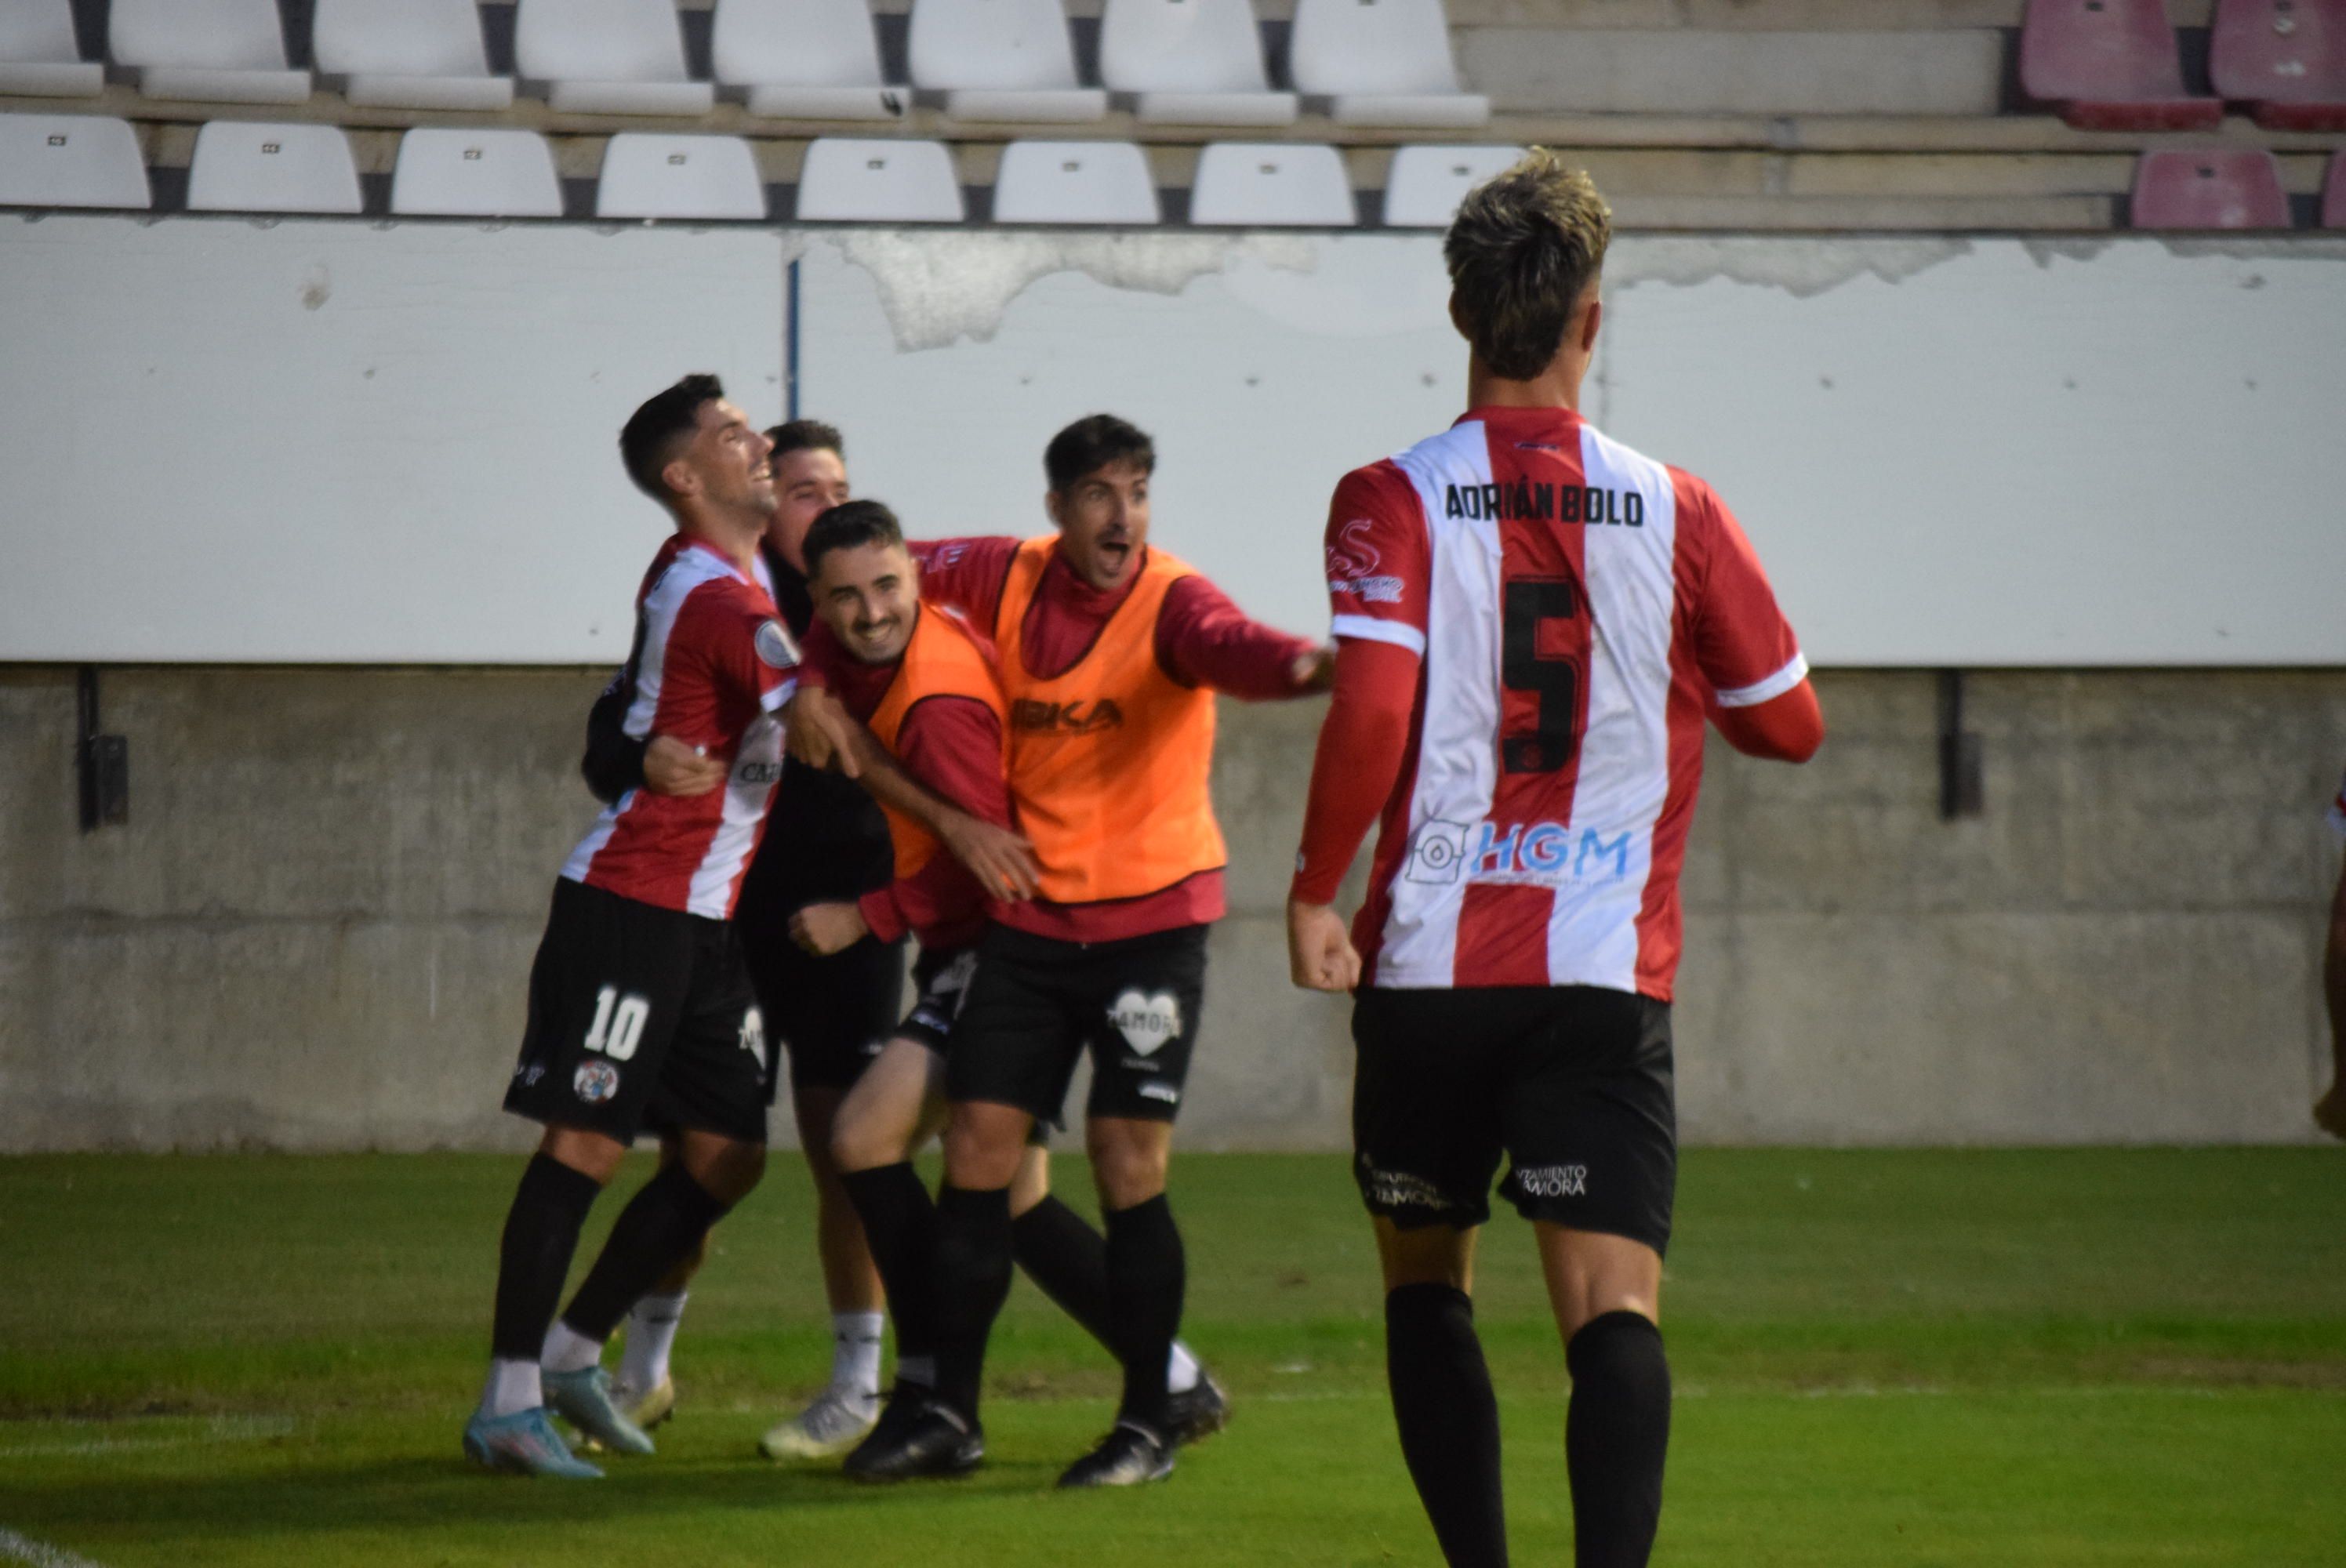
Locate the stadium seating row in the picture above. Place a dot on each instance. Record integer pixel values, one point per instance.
(242, 166)
(2113, 65)
(1191, 62)
(238, 166)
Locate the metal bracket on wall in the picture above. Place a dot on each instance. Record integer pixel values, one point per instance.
(1962, 792)
(103, 760)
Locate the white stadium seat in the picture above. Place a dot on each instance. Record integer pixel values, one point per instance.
(1427, 183)
(804, 59)
(608, 56)
(1075, 182)
(1001, 60)
(444, 173)
(243, 166)
(409, 53)
(848, 179)
(1271, 185)
(1193, 62)
(1385, 63)
(38, 56)
(647, 174)
(219, 51)
(71, 160)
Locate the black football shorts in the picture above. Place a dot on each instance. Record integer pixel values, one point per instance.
(1572, 1083)
(1038, 1004)
(640, 1017)
(940, 984)
(829, 1015)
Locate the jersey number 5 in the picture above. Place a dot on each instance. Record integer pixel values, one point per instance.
(1554, 680)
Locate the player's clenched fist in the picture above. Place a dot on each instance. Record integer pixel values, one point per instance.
(817, 732)
(825, 929)
(1320, 953)
(673, 768)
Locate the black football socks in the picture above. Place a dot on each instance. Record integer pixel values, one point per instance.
(1449, 1420)
(970, 1281)
(660, 1226)
(1146, 1274)
(541, 1233)
(900, 1225)
(1615, 1436)
(1068, 1260)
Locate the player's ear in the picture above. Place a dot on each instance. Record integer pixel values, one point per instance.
(1458, 318)
(1590, 316)
(1051, 508)
(681, 479)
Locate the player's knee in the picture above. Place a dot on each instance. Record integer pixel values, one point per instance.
(591, 1154)
(1032, 1185)
(1127, 1171)
(728, 1170)
(860, 1141)
(979, 1157)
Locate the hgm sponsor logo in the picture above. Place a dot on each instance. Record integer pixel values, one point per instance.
(1547, 853)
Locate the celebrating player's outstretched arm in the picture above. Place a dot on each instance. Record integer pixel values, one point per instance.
(823, 735)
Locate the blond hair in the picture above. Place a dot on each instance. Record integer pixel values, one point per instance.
(1523, 246)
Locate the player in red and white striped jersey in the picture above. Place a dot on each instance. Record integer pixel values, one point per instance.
(2330, 1110)
(1534, 622)
(712, 663)
(639, 1010)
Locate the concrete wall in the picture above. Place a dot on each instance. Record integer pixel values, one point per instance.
(315, 929)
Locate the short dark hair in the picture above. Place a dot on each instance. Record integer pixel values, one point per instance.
(849, 525)
(1090, 444)
(655, 432)
(806, 435)
(1525, 246)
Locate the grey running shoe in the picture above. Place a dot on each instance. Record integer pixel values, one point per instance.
(826, 1429)
(525, 1443)
(584, 1399)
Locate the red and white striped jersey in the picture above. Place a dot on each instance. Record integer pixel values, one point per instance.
(2338, 811)
(712, 662)
(1575, 603)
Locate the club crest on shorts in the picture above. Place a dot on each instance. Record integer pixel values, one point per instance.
(1147, 1023)
(596, 1082)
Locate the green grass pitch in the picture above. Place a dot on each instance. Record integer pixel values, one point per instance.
(1943, 1358)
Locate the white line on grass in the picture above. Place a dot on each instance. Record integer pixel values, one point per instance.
(39, 1554)
(218, 1430)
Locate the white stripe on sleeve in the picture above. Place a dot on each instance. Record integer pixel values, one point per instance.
(1775, 686)
(1394, 632)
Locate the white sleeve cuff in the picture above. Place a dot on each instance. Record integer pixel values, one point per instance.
(1376, 631)
(775, 700)
(1775, 686)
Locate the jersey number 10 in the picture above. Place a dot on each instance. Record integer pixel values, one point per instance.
(618, 1024)
(1553, 678)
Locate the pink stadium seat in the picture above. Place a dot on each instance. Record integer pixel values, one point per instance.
(2111, 64)
(2237, 188)
(2333, 194)
(2288, 57)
